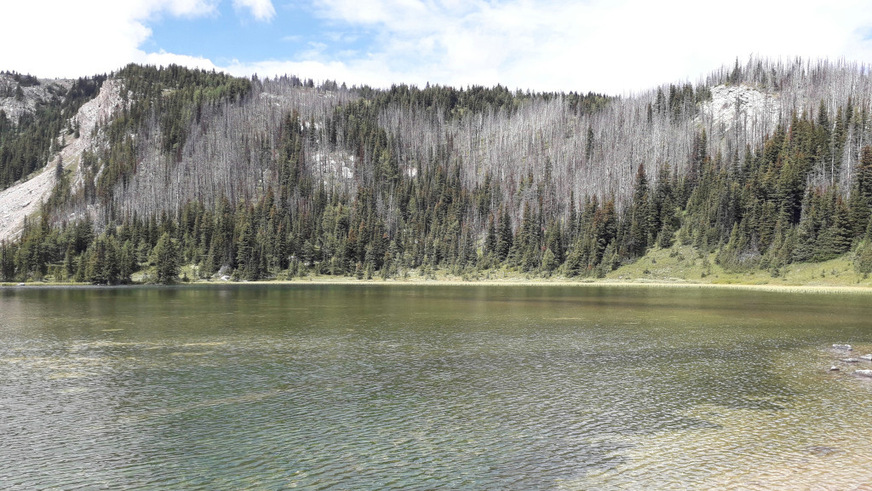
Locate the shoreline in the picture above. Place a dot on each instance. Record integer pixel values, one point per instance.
(493, 282)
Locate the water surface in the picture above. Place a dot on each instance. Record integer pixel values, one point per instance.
(373, 387)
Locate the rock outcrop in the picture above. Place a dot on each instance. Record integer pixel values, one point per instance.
(23, 199)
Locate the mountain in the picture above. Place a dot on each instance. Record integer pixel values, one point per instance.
(759, 166)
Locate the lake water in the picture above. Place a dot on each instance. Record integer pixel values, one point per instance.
(436, 387)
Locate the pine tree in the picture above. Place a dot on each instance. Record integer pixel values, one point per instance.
(639, 217)
(505, 239)
(166, 260)
(127, 264)
(860, 202)
(491, 241)
(549, 261)
(7, 261)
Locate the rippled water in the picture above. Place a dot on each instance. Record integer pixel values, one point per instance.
(374, 387)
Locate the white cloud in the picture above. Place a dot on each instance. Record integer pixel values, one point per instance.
(610, 46)
(600, 45)
(162, 58)
(262, 10)
(361, 72)
(71, 39)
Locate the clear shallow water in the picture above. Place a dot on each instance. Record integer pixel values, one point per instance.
(373, 387)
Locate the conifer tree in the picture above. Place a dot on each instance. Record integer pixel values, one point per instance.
(7, 262)
(166, 260)
(505, 238)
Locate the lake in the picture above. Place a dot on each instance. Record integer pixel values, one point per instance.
(432, 387)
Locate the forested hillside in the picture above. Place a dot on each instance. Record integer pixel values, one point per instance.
(762, 165)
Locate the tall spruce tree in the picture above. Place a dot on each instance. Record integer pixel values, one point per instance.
(166, 260)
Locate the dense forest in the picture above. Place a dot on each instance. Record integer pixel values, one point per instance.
(202, 175)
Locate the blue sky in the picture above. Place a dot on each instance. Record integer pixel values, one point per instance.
(609, 46)
(230, 35)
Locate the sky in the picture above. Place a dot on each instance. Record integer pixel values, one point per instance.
(615, 47)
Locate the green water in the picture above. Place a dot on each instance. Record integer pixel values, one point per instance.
(437, 387)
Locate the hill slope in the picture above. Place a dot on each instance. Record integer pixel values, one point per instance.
(762, 165)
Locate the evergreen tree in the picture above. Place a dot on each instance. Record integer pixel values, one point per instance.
(549, 261)
(491, 240)
(861, 194)
(166, 260)
(7, 262)
(505, 239)
(639, 217)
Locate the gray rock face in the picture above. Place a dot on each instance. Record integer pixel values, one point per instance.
(850, 360)
(834, 368)
(31, 96)
(866, 357)
(842, 347)
(863, 373)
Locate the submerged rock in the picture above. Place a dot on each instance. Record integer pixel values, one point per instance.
(842, 347)
(823, 451)
(850, 360)
(863, 373)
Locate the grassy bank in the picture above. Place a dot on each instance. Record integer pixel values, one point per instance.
(660, 268)
(679, 266)
(686, 265)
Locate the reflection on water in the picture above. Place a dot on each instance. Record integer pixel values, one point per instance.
(432, 387)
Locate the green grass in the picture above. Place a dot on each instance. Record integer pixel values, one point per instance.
(684, 264)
